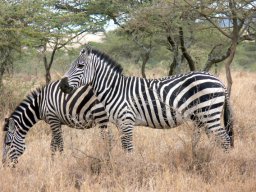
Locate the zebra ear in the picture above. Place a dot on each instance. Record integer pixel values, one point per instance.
(88, 48)
(11, 125)
(6, 122)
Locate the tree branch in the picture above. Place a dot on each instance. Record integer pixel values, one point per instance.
(68, 7)
(210, 21)
(213, 60)
(68, 41)
(189, 59)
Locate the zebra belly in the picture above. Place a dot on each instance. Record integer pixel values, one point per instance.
(74, 121)
(170, 120)
(81, 124)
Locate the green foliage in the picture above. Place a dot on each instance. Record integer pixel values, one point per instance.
(30, 62)
(246, 56)
(144, 25)
(10, 34)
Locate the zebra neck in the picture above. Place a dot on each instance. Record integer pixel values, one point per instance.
(105, 85)
(26, 114)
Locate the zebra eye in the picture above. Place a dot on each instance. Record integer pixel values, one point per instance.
(8, 143)
(80, 66)
(82, 51)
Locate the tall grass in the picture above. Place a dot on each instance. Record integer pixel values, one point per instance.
(162, 159)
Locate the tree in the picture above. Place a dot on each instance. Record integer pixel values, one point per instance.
(180, 23)
(174, 22)
(53, 29)
(168, 23)
(10, 35)
(120, 12)
(40, 25)
(233, 19)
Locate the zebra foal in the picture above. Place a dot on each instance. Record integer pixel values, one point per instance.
(80, 110)
(157, 103)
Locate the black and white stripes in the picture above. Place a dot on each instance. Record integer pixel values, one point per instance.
(80, 110)
(157, 103)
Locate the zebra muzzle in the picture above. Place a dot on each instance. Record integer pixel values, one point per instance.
(64, 86)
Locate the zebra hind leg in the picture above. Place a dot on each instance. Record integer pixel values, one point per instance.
(212, 125)
(220, 134)
(196, 138)
(197, 132)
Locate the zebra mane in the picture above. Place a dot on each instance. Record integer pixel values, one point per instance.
(110, 62)
(36, 92)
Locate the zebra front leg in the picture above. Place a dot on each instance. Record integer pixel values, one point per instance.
(126, 138)
(101, 118)
(57, 139)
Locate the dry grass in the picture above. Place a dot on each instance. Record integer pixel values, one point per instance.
(162, 160)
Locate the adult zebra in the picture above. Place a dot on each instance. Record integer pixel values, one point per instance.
(80, 110)
(157, 103)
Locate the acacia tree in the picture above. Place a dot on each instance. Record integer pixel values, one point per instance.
(146, 19)
(53, 29)
(232, 19)
(174, 24)
(39, 24)
(120, 12)
(10, 35)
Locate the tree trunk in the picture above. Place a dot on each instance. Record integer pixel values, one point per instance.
(145, 59)
(183, 48)
(235, 36)
(228, 63)
(173, 66)
(1, 77)
(48, 77)
(47, 70)
(173, 47)
(47, 65)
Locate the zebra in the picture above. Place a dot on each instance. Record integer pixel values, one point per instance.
(156, 103)
(80, 110)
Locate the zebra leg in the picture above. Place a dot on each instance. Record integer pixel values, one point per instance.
(220, 134)
(57, 139)
(101, 118)
(196, 137)
(106, 134)
(126, 127)
(222, 137)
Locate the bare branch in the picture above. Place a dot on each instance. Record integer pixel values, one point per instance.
(66, 6)
(210, 21)
(215, 59)
(70, 39)
(189, 59)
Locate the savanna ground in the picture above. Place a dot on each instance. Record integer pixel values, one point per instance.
(162, 159)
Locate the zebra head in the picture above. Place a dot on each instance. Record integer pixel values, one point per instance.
(13, 145)
(80, 72)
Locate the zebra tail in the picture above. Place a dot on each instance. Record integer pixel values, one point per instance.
(228, 120)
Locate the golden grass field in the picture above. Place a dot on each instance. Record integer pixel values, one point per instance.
(162, 159)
